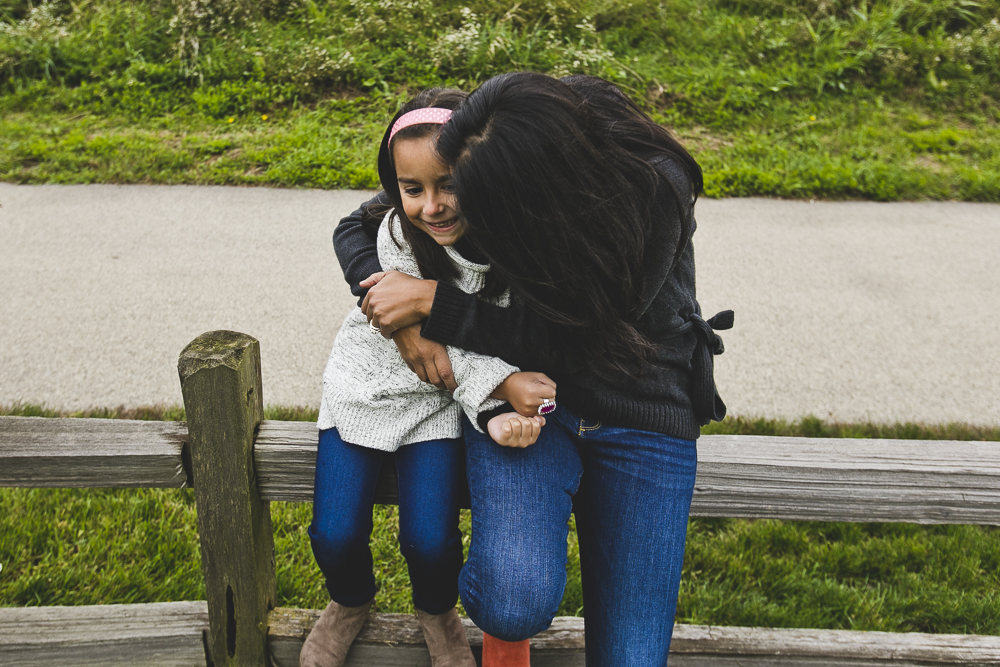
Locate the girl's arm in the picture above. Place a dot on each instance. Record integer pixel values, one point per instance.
(500, 401)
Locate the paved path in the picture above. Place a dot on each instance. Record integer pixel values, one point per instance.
(848, 311)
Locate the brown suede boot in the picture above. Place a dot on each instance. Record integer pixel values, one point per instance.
(446, 640)
(331, 637)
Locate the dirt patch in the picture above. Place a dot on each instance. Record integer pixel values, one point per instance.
(699, 139)
(929, 163)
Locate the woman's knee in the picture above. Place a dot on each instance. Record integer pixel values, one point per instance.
(511, 604)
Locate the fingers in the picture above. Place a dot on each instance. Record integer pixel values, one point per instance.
(432, 375)
(524, 431)
(373, 279)
(512, 430)
(366, 306)
(546, 380)
(420, 371)
(443, 366)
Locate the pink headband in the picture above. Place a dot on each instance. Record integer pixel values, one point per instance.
(419, 117)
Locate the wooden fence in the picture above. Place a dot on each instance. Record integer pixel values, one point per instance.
(238, 463)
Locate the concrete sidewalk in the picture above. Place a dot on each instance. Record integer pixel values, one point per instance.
(847, 310)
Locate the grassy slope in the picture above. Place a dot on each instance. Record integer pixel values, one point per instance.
(60, 546)
(840, 99)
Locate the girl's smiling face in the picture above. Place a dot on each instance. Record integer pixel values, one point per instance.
(426, 189)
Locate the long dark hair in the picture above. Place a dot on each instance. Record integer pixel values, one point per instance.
(431, 257)
(622, 121)
(629, 126)
(559, 206)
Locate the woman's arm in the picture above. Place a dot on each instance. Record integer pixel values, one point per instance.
(666, 233)
(356, 250)
(515, 333)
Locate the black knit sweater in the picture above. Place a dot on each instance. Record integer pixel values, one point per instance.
(673, 394)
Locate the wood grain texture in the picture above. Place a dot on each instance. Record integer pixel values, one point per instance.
(832, 479)
(285, 455)
(395, 639)
(814, 479)
(914, 481)
(91, 453)
(845, 647)
(220, 380)
(168, 634)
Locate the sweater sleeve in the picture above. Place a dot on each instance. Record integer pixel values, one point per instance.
(356, 249)
(516, 334)
(666, 235)
(477, 376)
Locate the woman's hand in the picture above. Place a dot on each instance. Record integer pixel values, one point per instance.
(429, 360)
(396, 300)
(525, 392)
(512, 430)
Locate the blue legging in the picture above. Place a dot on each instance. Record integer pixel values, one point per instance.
(631, 491)
(431, 479)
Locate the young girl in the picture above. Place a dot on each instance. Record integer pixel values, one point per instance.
(373, 404)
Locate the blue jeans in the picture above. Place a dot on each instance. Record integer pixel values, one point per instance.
(631, 491)
(431, 479)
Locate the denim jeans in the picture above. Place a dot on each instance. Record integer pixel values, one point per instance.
(631, 491)
(431, 478)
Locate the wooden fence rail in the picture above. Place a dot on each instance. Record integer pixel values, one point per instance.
(815, 479)
(237, 463)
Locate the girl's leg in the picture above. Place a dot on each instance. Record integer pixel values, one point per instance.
(431, 479)
(342, 517)
(514, 578)
(632, 513)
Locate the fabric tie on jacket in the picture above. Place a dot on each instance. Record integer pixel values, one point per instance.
(705, 399)
(708, 405)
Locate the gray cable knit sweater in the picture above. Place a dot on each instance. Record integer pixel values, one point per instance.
(370, 395)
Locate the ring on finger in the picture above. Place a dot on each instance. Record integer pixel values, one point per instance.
(374, 329)
(547, 406)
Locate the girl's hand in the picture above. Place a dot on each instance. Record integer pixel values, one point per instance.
(396, 300)
(525, 391)
(512, 430)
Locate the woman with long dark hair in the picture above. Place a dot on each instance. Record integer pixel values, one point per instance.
(584, 207)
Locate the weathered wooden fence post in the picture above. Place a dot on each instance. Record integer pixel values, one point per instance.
(220, 380)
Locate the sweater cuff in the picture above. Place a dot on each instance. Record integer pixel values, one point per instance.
(484, 417)
(446, 314)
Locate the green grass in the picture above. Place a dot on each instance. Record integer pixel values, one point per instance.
(886, 100)
(73, 547)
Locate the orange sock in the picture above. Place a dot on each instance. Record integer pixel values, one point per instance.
(498, 653)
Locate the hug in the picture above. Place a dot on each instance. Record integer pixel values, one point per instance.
(527, 327)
